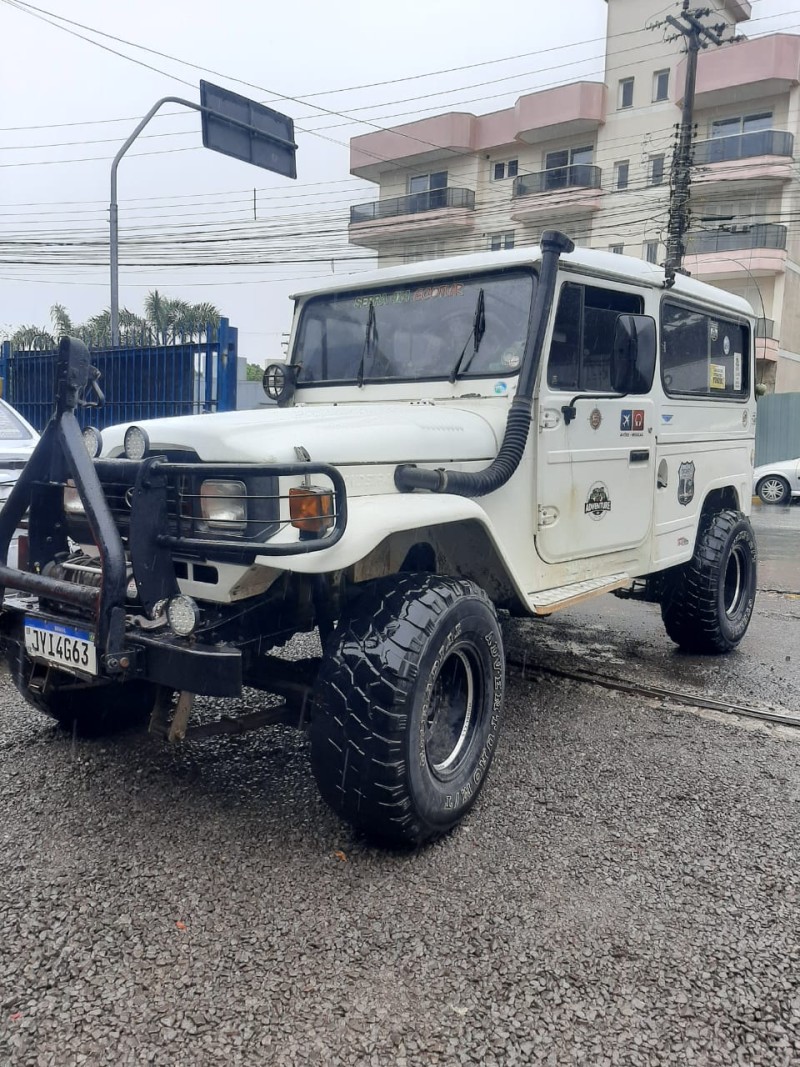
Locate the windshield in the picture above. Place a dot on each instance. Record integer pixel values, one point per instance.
(467, 327)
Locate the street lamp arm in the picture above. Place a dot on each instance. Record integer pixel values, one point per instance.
(113, 212)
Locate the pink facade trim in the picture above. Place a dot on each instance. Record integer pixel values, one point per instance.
(769, 64)
(767, 348)
(432, 223)
(755, 168)
(760, 262)
(574, 108)
(561, 203)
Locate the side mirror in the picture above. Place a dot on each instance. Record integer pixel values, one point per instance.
(633, 357)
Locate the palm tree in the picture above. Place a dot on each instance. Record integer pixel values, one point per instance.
(62, 323)
(133, 329)
(157, 315)
(166, 320)
(32, 339)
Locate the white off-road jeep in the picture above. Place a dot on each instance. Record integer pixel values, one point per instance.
(514, 431)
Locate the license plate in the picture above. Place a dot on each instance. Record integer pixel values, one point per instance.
(61, 645)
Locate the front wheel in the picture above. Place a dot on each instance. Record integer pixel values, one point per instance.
(407, 709)
(707, 603)
(773, 490)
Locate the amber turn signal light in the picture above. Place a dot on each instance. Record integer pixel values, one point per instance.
(311, 509)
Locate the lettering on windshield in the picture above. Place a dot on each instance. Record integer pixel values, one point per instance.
(406, 296)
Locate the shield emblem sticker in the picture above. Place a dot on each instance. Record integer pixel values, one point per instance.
(686, 482)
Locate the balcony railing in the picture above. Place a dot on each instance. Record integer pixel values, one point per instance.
(765, 329)
(759, 235)
(744, 146)
(433, 200)
(576, 176)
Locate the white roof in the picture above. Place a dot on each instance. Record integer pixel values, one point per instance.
(586, 260)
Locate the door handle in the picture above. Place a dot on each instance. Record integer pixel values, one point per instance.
(640, 455)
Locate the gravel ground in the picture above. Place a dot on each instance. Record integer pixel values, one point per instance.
(624, 892)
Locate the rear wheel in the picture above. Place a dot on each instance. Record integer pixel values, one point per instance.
(407, 710)
(86, 710)
(773, 490)
(708, 602)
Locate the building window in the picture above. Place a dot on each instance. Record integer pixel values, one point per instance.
(509, 169)
(417, 253)
(499, 241)
(428, 191)
(616, 249)
(625, 93)
(651, 251)
(660, 85)
(742, 124)
(621, 172)
(657, 169)
(568, 167)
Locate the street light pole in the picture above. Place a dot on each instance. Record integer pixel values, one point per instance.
(268, 142)
(113, 210)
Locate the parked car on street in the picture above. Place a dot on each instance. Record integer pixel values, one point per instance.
(17, 441)
(777, 483)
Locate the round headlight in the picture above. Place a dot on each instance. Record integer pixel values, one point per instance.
(183, 615)
(93, 440)
(278, 382)
(136, 443)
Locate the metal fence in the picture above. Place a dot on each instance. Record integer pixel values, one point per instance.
(778, 428)
(574, 176)
(730, 238)
(413, 203)
(138, 383)
(744, 146)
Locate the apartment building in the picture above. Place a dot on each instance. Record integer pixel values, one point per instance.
(593, 159)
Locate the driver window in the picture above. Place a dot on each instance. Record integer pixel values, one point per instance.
(583, 336)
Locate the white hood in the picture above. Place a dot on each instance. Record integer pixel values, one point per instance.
(339, 434)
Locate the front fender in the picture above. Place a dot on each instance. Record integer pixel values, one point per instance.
(371, 519)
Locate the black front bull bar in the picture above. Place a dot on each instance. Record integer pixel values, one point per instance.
(61, 455)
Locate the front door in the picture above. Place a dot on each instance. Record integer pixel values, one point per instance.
(596, 452)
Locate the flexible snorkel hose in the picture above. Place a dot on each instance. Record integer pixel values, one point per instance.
(408, 476)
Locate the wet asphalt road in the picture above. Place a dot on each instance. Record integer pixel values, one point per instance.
(624, 892)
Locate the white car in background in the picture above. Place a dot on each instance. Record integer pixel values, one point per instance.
(17, 441)
(777, 483)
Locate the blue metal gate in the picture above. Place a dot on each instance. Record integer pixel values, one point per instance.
(138, 383)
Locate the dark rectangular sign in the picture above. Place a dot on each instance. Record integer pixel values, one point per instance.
(239, 127)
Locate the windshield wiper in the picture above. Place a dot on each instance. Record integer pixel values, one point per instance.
(370, 339)
(476, 336)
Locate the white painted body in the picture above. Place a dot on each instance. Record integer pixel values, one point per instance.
(537, 522)
(17, 442)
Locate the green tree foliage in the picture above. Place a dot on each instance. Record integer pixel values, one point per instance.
(165, 321)
(254, 372)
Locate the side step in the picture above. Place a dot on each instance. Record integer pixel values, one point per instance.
(564, 596)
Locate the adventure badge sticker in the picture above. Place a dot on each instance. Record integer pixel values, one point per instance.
(686, 482)
(598, 501)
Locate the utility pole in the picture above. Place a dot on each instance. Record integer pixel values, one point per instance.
(697, 36)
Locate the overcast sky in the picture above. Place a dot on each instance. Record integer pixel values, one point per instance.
(180, 203)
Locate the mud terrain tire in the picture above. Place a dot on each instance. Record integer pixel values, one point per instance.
(708, 602)
(408, 705)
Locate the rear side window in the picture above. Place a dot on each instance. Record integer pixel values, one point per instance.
(703, 354)
(12, 428)
(583, 336)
